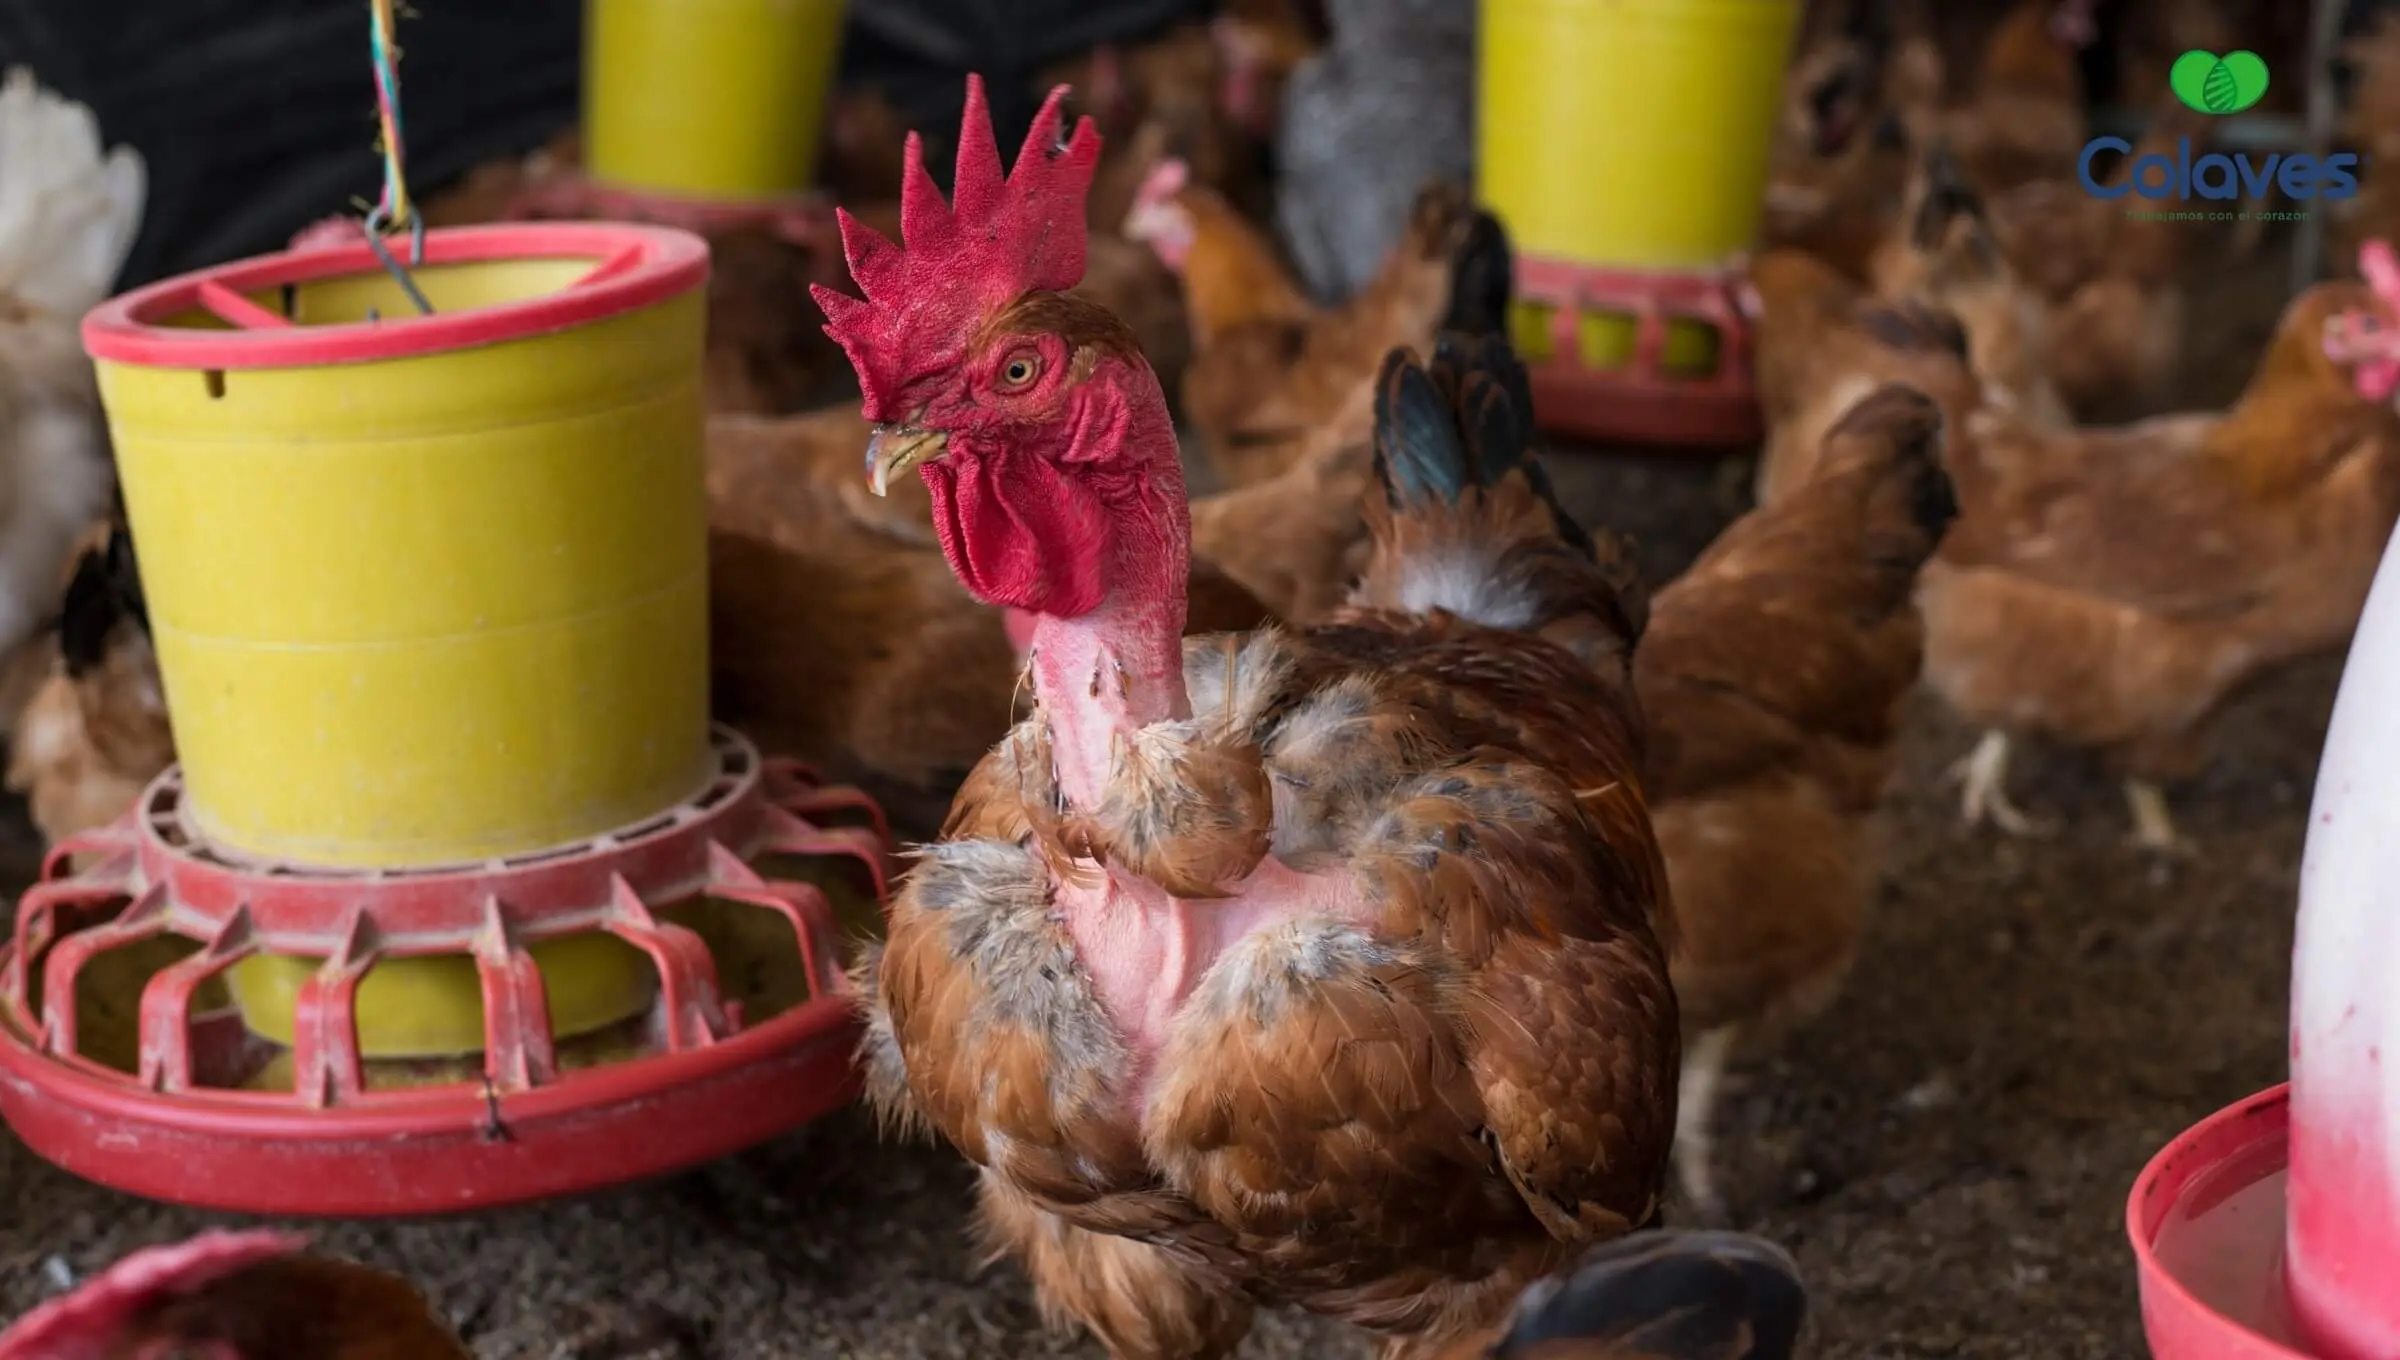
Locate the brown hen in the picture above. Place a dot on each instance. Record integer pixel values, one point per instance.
(2113, 587)
(1318, 966)
(1823, 344)
(95, 732)
(1772, 676)
(2023, 118)
(1943, 251)
(1841, 147)
(1269, 367)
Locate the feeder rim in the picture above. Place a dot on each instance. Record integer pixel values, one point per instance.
(2258, 1117)
(634, 266)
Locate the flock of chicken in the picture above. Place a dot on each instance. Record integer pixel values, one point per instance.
(1346, 887)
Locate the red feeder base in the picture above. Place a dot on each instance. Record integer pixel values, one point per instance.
(694, 1081)
(804, 220)
(1642, 402)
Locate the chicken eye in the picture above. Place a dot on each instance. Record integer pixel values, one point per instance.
(1020, 370)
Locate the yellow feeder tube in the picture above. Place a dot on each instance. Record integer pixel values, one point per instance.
(709, 99)
(1632, 134)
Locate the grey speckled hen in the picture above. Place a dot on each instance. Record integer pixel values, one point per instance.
(1388, 105)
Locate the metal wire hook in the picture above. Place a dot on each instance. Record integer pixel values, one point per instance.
(392, 265)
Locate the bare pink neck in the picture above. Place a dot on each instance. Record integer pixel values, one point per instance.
(1104, 675)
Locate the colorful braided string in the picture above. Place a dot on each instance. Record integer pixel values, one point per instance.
(393, 211)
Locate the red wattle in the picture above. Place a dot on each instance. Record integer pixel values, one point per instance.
(1019, 535)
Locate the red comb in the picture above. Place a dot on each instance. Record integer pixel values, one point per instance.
(2370, 342)
(81, 1324)
(1165, 180)
(1005, 235)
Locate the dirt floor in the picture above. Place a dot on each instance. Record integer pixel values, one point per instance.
(1948, 1152)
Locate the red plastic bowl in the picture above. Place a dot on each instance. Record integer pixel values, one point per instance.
(2236, 1149)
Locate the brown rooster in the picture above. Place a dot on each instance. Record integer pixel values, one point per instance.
(1318, 966)
(2113, 587)
(1658, 1296)
(235, 1296)
(1772, 676)
(1269, 367)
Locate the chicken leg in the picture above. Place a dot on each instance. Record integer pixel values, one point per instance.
(1695, 1110)
(1984, 777)
(2153, 824)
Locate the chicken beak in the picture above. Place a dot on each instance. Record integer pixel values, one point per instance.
(895, 449)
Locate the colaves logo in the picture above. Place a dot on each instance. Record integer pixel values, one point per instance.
(2212, 84)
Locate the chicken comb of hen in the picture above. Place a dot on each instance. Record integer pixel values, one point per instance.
(1693, 1295)
(82, 1324)
(1001, 236)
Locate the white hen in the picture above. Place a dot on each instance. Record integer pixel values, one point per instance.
(68, 213)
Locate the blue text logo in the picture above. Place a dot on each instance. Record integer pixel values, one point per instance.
(2218, 177)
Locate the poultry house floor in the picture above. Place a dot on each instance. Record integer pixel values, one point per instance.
(1948, 1151)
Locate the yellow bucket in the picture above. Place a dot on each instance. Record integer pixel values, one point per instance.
(712, 99)
(425, 589)
(1632, 133)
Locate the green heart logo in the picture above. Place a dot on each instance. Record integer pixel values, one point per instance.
(2220, 85)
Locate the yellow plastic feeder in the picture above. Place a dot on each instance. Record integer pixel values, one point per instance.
(451, 901)
(1625, 143)
(424, 589)
(707, 99)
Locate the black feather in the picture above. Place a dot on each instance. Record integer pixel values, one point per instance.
(105, 590)
(1482, 279)
(1418, 456)
(1464, 419)
(1703, 1295)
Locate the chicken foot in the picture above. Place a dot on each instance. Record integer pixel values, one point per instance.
(1983, 775)
(2153, 824)
(1695, 1111)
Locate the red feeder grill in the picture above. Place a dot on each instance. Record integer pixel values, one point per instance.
(183, 1128)
(1643, 401)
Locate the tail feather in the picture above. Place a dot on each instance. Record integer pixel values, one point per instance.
(1482, 279)
(1470, 522)
(1419, 457)
(1464, 420)
(1798, 622)
(1701, 1295)
(68, 211)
